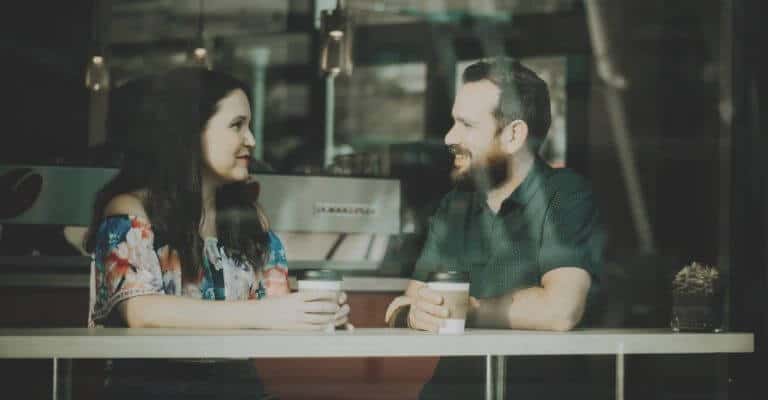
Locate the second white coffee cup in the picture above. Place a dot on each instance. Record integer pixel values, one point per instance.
(454, 287)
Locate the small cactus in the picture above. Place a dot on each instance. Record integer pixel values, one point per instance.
(697, 299)
(696, 279)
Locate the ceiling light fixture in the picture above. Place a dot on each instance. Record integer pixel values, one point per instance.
(200, 55)
(336, 53)
(96, 69)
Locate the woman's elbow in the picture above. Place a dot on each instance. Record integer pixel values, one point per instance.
(135, 323)
(134, 315)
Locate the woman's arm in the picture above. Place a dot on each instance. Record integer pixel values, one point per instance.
(295, 311)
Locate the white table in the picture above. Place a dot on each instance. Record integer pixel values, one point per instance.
(109, 343)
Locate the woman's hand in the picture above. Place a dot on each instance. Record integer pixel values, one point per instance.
(303, 311)
(344, 309)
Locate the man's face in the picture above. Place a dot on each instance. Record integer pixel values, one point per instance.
(479, 162)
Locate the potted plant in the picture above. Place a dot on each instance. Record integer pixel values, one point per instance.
(696, 299)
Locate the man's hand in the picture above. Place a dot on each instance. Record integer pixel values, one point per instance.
(427, 310)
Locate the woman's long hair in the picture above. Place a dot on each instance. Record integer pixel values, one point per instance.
(158, 122)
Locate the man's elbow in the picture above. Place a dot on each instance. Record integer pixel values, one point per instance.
(567, 321)
(564, 324)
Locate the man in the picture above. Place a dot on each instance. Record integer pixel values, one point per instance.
(526, 233)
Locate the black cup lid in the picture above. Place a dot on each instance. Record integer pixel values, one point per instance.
(319, 275)
(448, 276)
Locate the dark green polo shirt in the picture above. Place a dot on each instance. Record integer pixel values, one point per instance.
(549, 221)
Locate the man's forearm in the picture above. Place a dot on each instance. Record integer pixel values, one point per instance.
(531, 308)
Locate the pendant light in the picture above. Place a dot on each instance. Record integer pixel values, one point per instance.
(97, 74)
(97, 70)
(336, 53)
(200, 55)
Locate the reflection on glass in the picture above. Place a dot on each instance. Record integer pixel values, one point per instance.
(200, 57)
(97, 74)
(381, 104)
(332, 56)
(335, 56)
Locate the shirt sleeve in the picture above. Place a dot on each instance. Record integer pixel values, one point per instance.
(123, 265)
(275, 270)
(571, 234)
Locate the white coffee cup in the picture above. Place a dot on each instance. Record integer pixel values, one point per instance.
(320, 280)
(454, 287)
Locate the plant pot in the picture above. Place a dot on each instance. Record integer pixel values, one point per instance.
(696, 313)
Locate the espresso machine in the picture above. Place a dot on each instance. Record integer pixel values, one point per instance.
(346, 223)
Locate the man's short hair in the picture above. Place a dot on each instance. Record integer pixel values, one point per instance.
(524, 95)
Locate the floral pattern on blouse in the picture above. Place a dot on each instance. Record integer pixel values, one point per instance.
(127, 262)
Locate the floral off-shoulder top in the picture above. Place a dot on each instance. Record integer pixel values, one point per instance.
(130, 259)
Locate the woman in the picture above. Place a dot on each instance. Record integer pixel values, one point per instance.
(177, 228)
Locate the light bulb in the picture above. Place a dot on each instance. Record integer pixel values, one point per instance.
(200, 57)
(97, 74)
(336, 51)
(332, 55)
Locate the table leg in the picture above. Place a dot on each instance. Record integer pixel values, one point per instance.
(55, 380)
(620, 375)
(495, 377)
(62, 379)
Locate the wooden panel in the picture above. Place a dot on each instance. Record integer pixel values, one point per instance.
(38, 307)
(43, 307)
(349, 378)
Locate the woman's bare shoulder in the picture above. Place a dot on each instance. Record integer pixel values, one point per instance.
(131, 203)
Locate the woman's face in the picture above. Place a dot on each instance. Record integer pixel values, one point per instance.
(227, 140)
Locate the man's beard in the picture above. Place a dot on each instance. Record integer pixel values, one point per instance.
(482, 176)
